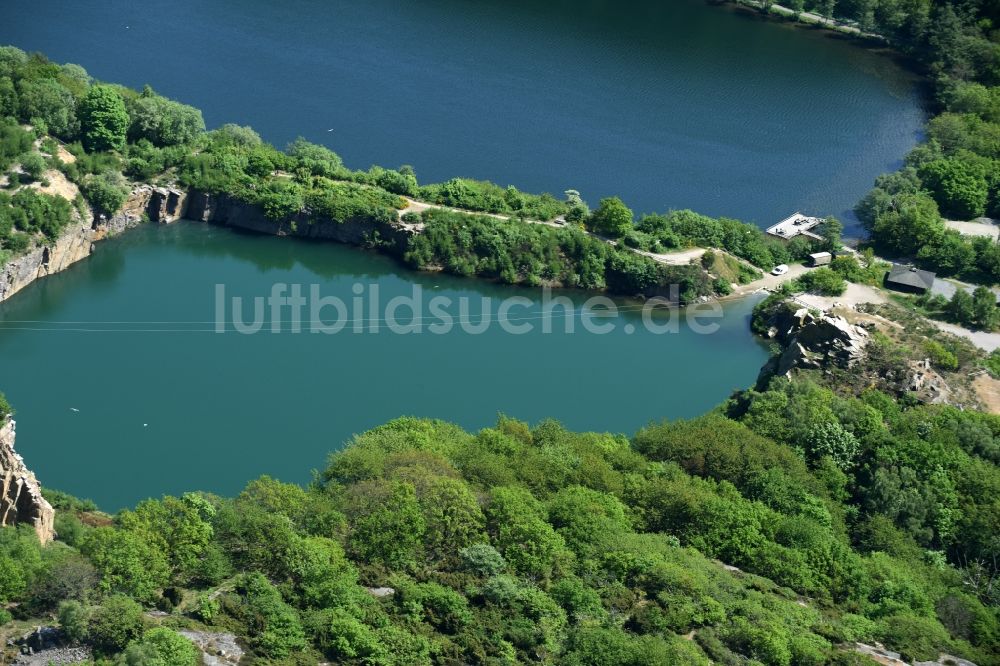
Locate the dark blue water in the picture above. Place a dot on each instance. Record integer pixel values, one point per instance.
(669, 104)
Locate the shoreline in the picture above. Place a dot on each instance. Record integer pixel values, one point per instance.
(147, 204)
(872, 42)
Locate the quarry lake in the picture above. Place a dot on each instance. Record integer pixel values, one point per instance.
(668, 104)
(149, 399)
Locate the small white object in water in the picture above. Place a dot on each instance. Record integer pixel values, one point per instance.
(144, 425)
(73, 409)
(330, 130)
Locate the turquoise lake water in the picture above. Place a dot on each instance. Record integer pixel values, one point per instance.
(165, 404)
(668, 104)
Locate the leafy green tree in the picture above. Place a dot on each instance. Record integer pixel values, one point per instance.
(160, 647)
(959, 187)
(346, 639)
(882, 198)
(67, 576)
(116, 623)
(74, 619)
(582, 603)
(483, 560)
(911, 223)
(452, 517)
(162, 121)
(14, 141)
(612, 217)
(5, 408)
(178, 527)
(33, 165)
(235, 136)
(319, 160)
(522, 536)
(831, 231)
(273, 626)
(107, 192)
(984, 308)
(321, 573)
(824, 281)
(12, 59)
(917, 638)
(832, 440)
(940, 356)
(47, 103)
(388, 525)
(961, 307)
(949, 253)
(587, 518)
(103, 118)
(578, 208)
(128, 563)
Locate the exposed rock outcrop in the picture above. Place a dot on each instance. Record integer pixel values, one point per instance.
(815, 341)
(21, 498)
(77, 240)
(929, 386)
(47, 645)
(156, 204)
(225, 210)
(75, 244)
(380, 592)
(164, 204)
(217, 649)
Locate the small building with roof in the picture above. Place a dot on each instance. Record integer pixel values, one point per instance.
(820, 258)
(909, 279)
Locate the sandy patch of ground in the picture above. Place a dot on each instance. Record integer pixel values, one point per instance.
(983, 226)
(58, 184)
(679, 258)
(864, 318)
(854, 295)
(988, 391)
(66, 156)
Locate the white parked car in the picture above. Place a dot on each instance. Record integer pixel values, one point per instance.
(780, 269)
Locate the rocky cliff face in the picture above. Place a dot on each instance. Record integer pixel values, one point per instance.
(815, 341)
(77, 241)
(157, 204)
(162, 204)
(75, 244)
(225, 210)
(21, 500)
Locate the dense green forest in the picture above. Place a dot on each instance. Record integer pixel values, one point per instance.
(795, 519)
(849, 518)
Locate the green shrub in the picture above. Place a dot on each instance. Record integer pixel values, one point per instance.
(161, 647)
(33, 165)
(115, 623)
(823, 281)
(74, 620)
(940, 357)
(106, 192)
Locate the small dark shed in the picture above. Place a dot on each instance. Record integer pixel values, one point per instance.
(909, 279)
